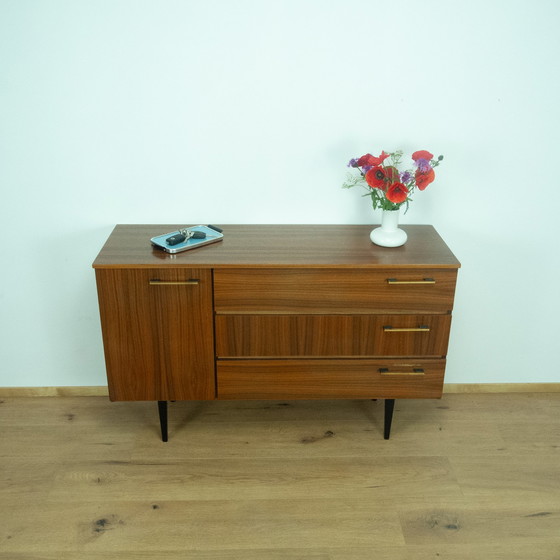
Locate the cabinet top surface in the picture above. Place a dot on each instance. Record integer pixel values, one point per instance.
(320, 246)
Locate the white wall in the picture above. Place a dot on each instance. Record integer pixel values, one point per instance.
(224, 111)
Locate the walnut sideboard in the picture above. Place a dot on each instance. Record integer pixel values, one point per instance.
(276, 312)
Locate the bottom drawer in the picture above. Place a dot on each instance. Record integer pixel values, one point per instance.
(330, 379)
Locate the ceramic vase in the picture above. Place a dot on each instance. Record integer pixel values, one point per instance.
(389, 234)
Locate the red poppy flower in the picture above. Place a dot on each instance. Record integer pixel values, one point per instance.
(376, 177)
(365, 160)
(392, 174)
(422, 154)
(368, 159)
(397, 193)
(379, 160)
(423, 179)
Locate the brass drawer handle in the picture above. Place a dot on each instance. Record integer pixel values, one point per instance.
(415, 371)
(421, 328)
(192, 282)
(394, 281)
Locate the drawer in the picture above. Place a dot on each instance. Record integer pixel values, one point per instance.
(330, 379)
(332, 335)
(334, 290)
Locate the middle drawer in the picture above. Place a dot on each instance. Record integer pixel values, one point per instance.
(246, 336)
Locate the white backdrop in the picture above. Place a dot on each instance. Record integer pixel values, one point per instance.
(223, 111)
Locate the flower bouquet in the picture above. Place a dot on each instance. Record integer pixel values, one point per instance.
(388, 187)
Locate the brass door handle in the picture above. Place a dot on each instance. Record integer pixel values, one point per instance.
(191, 282)
(394, 281)
(421, 328)
(415, 371)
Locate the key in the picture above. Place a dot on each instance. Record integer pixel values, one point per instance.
(176, 239)
(183, 235)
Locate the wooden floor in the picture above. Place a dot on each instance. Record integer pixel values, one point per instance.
(467, 477)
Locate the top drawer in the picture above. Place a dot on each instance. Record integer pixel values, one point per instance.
(333, 290)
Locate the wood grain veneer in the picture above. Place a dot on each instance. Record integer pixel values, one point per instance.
(306, 246)
(158, 339)
(317, 379)
(331, 335)
(346, 291)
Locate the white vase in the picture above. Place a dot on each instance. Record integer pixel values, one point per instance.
(389, 234)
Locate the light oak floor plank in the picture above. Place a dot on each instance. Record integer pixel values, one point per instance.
(468, 476)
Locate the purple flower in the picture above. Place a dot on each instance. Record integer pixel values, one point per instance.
(353, 163)
(406, 177)
(423, 165)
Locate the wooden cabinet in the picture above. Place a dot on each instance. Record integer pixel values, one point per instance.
(157, 333)
(276, 312)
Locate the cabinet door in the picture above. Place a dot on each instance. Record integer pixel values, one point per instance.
(157, 333)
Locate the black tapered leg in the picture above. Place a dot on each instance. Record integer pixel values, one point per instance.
(389, 407)
(162, 409)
